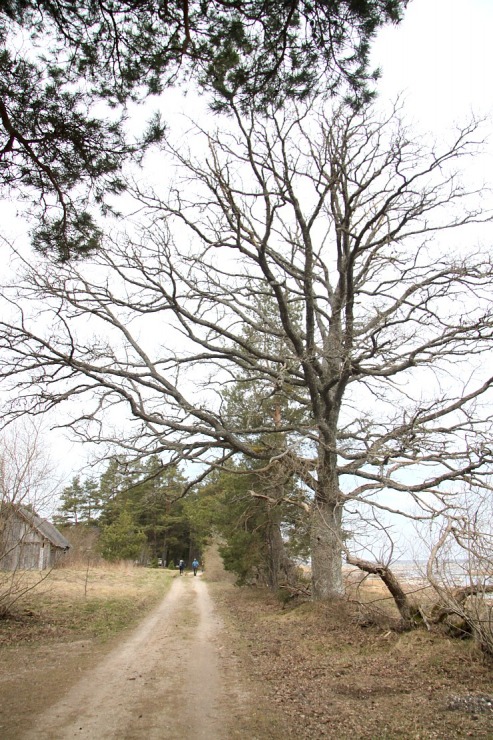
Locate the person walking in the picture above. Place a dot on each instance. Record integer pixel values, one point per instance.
(181, 566)
(195, 566)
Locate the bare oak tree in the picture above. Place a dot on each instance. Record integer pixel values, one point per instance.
(317, 234)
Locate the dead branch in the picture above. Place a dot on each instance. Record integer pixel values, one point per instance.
(392, 583)
(280, 500)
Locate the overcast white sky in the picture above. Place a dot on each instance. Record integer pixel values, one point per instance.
(441, 57)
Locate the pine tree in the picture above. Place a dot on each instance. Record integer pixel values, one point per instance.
(72, 503)
(86, 56)
(123, 539)
(150, 493)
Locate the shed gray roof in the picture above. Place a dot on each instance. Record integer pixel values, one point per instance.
(45, 528)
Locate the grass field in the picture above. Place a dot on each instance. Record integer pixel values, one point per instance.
(96, 601)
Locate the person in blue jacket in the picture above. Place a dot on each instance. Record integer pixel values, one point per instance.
(195, 566)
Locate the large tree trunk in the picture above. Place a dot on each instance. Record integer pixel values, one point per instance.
(282, 570)
(326, 551)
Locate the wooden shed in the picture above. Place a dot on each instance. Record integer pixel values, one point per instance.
(28, 542)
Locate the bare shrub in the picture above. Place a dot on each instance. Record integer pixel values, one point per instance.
(83, 546)
(26, 485)
(460, 571)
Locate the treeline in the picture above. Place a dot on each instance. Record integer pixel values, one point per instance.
(147, 512)
(139, 508)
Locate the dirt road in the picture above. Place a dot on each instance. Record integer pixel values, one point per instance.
(168, 680)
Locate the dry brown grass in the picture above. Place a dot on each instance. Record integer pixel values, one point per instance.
(97, 600)
(333, 672)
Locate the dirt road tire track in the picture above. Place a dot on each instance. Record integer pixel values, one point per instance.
(165, 681)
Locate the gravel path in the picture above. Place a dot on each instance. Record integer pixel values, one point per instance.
(169, 679)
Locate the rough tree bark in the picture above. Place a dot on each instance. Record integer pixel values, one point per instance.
(326, 538)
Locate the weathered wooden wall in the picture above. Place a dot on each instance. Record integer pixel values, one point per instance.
(22, 548)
